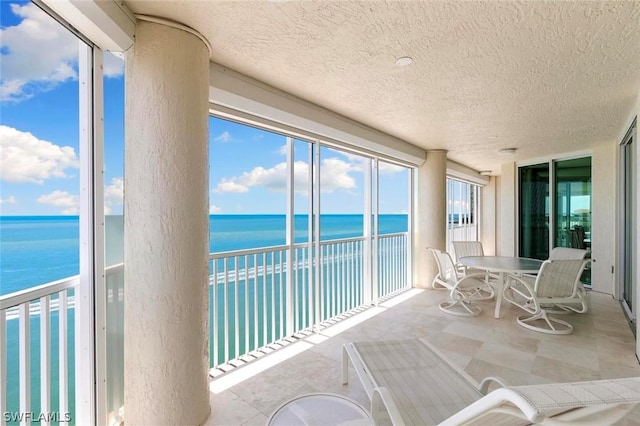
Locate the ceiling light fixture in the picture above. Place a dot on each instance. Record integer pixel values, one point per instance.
(404, 61)
(507, 151)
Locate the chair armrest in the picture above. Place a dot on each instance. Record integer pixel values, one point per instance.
(382, 398)
(486, 382)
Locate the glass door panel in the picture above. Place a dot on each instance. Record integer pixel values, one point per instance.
(627, 275)
(534, 211)
(572, 221)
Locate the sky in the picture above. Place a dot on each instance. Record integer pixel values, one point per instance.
(39, 139)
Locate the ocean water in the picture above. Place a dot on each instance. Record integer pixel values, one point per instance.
(38, 250)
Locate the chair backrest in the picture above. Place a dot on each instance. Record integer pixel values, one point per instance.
(559, 253)
(559, 278)
(446, 267)
(467, 248)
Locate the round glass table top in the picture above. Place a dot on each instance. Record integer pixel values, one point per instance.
(502, 263)
(320, 409)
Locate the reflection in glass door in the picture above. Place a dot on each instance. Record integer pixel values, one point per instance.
(627, 266)
(534, 211)
(572, 208)
(568, 184)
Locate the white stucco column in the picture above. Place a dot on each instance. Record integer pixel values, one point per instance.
(166, 227)
(430, 216)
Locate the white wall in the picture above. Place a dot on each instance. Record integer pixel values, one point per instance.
(506, 223)
(488, 216)
(603, 217)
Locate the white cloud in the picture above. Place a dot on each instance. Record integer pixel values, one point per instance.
(388, 168)
(113, 194)
(69, 202)
(360, 163)
(9, 200)
(334, 176)
(223, 137)
(25, 158)
(113, 64)
(39, 53)
(214, 209)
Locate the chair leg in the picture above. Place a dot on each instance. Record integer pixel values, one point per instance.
(436, 285)
(554, 325)
(460, 308)
(480, 293)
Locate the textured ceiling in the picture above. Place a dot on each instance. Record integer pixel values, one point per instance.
(545, 77)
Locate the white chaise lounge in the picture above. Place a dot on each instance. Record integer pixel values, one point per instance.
(409, 382)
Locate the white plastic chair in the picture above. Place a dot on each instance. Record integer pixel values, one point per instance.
(464, 290)
(557, 285)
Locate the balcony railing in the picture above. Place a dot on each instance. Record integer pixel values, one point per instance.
(256, 300)
(258, 304)
(35, 323)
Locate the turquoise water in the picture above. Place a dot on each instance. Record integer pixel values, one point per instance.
(38, 250)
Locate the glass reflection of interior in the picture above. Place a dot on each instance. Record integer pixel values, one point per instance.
(573, 206)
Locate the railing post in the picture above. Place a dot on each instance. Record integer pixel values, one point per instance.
(3, 366)
(290, 240)
(25, 364)
(375, 252)
(316, 256)
(45, 357)
(366, 255)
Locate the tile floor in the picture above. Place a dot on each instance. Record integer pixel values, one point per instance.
(601, 346)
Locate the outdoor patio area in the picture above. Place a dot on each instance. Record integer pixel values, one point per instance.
(601, 346)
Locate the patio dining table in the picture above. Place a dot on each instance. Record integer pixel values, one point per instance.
(503, 266)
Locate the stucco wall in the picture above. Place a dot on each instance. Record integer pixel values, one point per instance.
(430, 216)
(506, 223)
(488, 217)
(603, 217)
(166, 228)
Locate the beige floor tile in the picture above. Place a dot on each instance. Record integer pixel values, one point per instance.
(480, 369)
(580, 357)
(602, 346)
(505, 356)
(561, 371)
(455, 343)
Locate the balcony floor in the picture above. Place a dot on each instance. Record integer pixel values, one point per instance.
(601, 346)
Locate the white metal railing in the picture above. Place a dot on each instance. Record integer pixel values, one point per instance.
(46, 302)
(393, 261)
(249, 289)
(114, 279)
(27, 324)
(248, 294)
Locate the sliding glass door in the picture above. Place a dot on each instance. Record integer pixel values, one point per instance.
(555, 207)
(628, 211)
(534, 211)
(572, 209)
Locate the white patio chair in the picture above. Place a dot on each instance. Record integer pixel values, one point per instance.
(566, 253)
(464, 249)
(557, 285)
(409, 382)
(470, 248)
(464, 290)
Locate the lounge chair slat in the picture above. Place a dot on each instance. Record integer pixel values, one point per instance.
(428, 389)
